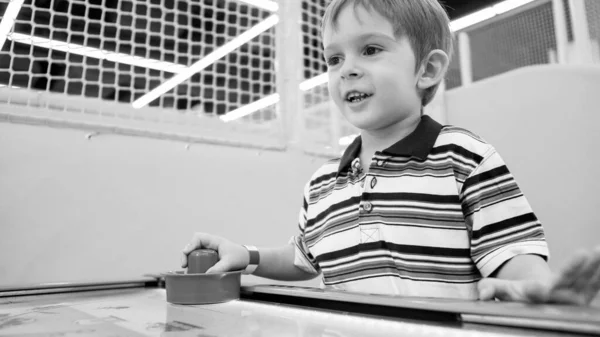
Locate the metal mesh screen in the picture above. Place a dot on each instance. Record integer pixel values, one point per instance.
(312, 12)
(316, 115)
(111, 53)
(323, 124)
(517, 41)
(592, 8)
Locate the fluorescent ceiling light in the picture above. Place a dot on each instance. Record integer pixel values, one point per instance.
(207, 61)
(471, 19)
(97, 53)
(8, 20)
(486, 14)
(315, 81)
(509, 5)
(264, 4)
(250, 108)
(272, 99)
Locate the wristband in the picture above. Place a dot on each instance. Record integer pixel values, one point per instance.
(254, 260)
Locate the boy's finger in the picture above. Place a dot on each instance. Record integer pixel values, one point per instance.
(571, 271)
(490, 288)
(206, 241)
(566, 296)
(184, 260)
(536, 292)
(220, 267)
(190, 247)
(201, 240)
(195, 243)
(486, 294)
(587, 273)
(593, 286)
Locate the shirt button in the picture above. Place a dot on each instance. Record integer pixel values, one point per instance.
(373, 182)
(368, 206)
(380, 162)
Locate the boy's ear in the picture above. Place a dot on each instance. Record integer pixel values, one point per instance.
(433, 69)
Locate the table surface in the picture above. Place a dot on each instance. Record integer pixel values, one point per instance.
(145, 312)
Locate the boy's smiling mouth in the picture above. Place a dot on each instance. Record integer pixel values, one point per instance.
(356, 96)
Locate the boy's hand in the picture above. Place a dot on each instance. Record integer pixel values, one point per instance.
(578, 283)
(231, 256)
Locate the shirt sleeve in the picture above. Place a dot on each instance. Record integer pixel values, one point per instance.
(500, 220)
(303, 259)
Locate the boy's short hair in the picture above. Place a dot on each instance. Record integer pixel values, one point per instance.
(424, 22)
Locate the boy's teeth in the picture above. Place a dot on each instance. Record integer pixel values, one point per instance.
(356, 97)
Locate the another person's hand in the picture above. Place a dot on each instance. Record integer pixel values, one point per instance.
(231, 255)
(578, 283)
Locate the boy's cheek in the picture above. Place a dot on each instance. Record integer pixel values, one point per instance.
(337, 99)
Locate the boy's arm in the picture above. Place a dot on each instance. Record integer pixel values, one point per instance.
(275, 263)
(527, 278)
(508, 245)
(278, 264)
(524, 267)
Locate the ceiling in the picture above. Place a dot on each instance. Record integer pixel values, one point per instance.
(45, 68)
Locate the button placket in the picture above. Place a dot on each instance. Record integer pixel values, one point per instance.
(373, 182)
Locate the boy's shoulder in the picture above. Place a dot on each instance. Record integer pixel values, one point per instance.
(327, 170)
(460, 138)
(325, 175)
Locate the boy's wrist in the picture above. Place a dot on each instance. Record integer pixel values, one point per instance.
(254, 259)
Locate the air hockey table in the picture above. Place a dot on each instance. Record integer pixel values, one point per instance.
(139, 308)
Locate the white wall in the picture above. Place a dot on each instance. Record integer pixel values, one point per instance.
(115, 207)
(545, 123)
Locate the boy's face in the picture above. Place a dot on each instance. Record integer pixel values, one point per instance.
(372, 75)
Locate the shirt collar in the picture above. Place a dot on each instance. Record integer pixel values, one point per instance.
(418, 144)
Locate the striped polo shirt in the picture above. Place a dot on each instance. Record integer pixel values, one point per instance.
(433, 214)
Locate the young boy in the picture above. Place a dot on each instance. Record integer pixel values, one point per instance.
(412, 208)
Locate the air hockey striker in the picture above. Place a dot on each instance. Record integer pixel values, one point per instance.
(140, 308)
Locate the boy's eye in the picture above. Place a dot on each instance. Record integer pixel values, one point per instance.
(371, 50)
(333, 60)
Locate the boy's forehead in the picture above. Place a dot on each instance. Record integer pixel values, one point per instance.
(355, 21)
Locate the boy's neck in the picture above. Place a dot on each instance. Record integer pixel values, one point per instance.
(378, 140)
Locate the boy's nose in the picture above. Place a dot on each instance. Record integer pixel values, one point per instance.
(350, 75)
(351, 71)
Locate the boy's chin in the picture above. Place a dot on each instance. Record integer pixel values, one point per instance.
(363, 122)
(368, 122)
